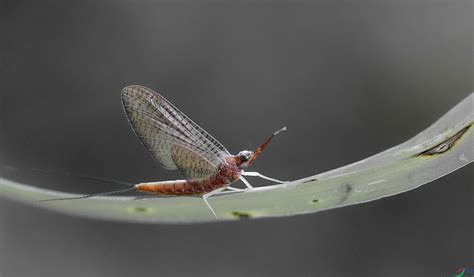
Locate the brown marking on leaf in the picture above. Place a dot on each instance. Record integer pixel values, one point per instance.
(445, 145)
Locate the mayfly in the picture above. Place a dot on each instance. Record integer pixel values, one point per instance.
(176, 142)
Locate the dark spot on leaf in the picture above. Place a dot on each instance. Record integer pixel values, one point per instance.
(445, 145)
(241, 215)
(348, 188)
(140, 209)
(315, 200)
(310, 180)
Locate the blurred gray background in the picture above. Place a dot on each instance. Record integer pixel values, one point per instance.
(348, 78)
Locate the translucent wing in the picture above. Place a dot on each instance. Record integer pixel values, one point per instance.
(190, 164)
(170, 136)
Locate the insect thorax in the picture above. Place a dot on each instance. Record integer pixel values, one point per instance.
(229, 172)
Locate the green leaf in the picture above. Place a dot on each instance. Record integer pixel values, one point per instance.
(442, 148)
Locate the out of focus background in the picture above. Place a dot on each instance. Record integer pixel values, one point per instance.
(348, 78)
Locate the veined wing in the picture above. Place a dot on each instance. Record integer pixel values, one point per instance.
(170, 136)
(192, 165)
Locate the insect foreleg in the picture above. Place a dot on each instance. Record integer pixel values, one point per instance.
(249, 186)
(256, 174)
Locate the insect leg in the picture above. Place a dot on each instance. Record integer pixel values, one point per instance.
(249, 186)
(209, 194)
(235, 189)
(256, 174)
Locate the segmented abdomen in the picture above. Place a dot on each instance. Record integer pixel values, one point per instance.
(181, 187)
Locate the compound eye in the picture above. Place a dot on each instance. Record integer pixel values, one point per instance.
(243, 158)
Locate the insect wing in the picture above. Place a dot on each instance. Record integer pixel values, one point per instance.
(174, 140)
(192, 165)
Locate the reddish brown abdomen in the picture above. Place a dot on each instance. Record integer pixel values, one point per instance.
(181, 187)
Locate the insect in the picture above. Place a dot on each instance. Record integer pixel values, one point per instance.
(176, 142)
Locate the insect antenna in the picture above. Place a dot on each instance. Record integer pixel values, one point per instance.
(264, 145)
(134, 188)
